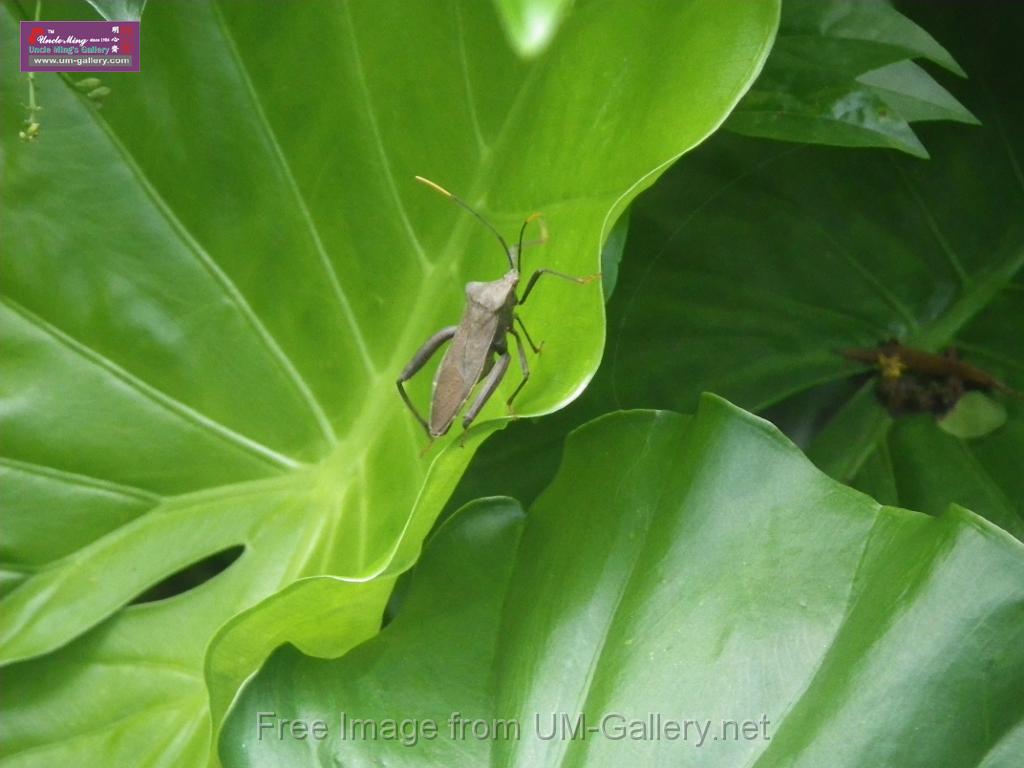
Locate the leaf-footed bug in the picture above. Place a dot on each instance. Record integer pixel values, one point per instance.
(478, 338)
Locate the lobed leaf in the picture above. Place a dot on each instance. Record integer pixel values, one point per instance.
(212, 284)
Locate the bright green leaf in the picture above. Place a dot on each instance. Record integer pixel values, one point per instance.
(531, 24)
(694, 569)
(211, 286)
(334, 616)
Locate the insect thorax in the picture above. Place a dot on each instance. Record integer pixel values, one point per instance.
(495, 295)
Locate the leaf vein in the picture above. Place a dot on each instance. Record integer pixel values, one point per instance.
(467, 82)
(219, 276)
(371, 117)
(157, 396)
(339, 292)
(74, 478)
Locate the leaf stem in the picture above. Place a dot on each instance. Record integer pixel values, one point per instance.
(31, 132)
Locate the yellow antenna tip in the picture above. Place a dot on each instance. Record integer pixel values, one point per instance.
(534, 217)
(432, 185)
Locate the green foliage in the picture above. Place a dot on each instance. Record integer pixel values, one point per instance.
(784, 256)
(841, 73)
(714, 574)
(211, 286)
(799, 254)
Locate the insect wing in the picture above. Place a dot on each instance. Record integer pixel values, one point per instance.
(461, 367)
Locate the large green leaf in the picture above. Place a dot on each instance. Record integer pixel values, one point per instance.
(211, 285)
(696, 569)
(841, 73)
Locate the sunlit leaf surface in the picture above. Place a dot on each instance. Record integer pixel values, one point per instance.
(212, 283)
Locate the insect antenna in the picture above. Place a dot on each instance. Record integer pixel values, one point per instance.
(522, 230)
(468, 207)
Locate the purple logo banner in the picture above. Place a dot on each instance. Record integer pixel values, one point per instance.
(80, 46)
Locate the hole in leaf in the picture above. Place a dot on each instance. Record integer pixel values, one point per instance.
(191, 576)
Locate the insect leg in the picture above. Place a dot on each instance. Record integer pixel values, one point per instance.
(517, 250)
(490, 384)
(522, 231)
(418, 361)
(534, 347)
(522, 364)
(536, 276)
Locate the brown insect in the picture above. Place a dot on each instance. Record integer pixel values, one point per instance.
(479, 349)
(913, 381)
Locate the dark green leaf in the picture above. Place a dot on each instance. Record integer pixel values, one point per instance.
(840, 74)
(697, 569)
(782, 258)
(611, 254)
